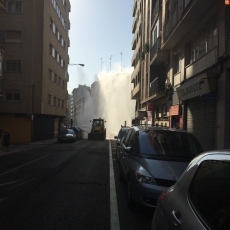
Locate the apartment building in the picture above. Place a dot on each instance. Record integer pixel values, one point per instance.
(34, 71)
(182, 66)
(80, 105)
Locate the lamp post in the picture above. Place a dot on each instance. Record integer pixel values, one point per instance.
(77, 64)
(110, 61)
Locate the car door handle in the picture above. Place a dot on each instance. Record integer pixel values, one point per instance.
(176, 217)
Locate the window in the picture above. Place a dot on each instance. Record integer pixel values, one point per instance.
(62, 42)
(53, 76)
(54, 28)
(206, 41)
(177, 66)
(209, 193)
(58, 57)
(62, 63)
(53, 52)
(14, 6)
(12, 95)
(13, 66)
(58, 36)
(13, 36)
(164, 110)
(49, 99)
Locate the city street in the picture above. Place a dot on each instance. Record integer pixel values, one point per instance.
(66, 186)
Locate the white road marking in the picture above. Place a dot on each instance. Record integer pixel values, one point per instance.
(21, 166)
(114, 218)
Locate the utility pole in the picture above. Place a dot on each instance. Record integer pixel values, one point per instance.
(110, 62)
(121, 61)
(101, 64)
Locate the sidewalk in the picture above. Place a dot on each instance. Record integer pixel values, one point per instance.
(13, 148)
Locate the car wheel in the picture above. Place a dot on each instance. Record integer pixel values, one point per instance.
(130, 201)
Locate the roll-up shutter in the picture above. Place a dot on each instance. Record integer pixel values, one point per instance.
(201, 121)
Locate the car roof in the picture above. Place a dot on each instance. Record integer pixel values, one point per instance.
(148, 127)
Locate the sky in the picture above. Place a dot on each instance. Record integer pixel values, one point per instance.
(100, 31)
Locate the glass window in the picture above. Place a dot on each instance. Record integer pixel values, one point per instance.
(122, 132)
(12, 95)
(53, 52)
(210, 191)
(133, 142)
(126, 137)
(169, 143)
(13, 66)
(14, 6)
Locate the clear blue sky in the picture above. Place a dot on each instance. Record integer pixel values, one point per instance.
(99, 29)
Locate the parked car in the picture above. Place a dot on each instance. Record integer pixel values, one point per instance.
(200, 198)
(121, 134)
(77, 132)
(153, 159)
(67, 135)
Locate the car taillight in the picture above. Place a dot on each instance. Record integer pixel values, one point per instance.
(162, 196)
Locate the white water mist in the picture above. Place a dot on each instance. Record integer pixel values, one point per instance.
(110, 99)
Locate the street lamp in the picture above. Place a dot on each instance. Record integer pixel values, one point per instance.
(77, 64)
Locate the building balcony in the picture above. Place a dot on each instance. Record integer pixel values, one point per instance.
(134, 42)
(135, 72)
(157, 88)
(134, 7)
(157, 56)
(157, 8)
(182, 19)
(134, 26)
(135, 93)
(135, 53)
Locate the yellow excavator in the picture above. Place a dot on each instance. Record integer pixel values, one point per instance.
(98, 130)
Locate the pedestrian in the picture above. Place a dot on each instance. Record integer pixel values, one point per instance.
(1, 131)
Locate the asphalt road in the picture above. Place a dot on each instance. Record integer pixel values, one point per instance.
(66, 186)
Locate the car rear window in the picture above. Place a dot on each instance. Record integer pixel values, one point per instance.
(169, 143)
(67, 131)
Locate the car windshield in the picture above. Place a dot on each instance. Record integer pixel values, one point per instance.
(122, 133)
(169, 143)
(97, 123)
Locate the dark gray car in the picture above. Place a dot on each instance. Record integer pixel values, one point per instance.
(200, 199)
(123, 130)
(153, 159)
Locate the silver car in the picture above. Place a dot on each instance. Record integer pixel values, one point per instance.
(200, 199)
(67, 135)
(153, 159)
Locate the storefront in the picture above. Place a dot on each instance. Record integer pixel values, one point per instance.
(176, 118)
(199, 99)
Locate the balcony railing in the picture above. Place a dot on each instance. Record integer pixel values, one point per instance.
(156, 9)
(157, 85)
(155, 47)
(182, 18)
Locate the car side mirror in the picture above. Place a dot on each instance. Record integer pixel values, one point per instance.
(115, 137)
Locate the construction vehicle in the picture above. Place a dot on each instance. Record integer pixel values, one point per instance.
(98, 130)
